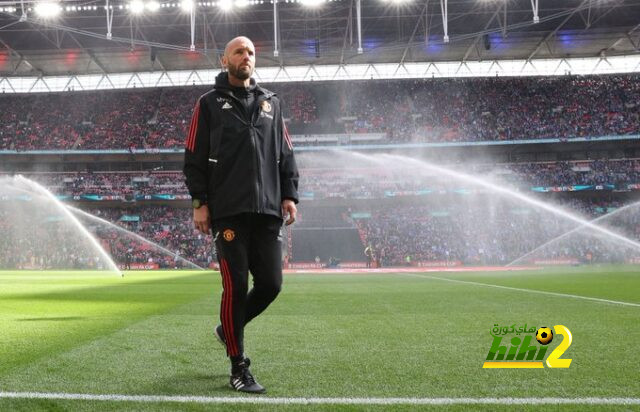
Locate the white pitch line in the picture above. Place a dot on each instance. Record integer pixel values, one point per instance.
(543, 292)
(318, 401)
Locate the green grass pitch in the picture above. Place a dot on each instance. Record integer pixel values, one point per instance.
(327, 335)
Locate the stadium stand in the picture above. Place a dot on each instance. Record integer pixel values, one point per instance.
(355, 183)
(433, 227)
(436, 231)
(458, 233)
(429, 110)
(406, 220)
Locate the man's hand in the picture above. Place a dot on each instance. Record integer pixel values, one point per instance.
(201, 219)
(289, 211)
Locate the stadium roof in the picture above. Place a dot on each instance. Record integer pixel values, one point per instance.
(75, 42)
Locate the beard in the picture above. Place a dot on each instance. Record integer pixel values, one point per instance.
(241, 74)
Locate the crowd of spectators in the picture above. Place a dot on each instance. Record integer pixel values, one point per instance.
(33, 237)
(476, 230)
(424, 110)
(490, 232)
(111, 183)
(365, 183)
(78, 120)
(48, 240)
(497, 109)
(597, 172)
(169, 227)
(443, 224)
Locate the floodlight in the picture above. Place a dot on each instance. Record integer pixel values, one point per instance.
(311, 3)
(47, 10)
(187, 5)
(242, 3)
(225, 5)
(136, 6)
(153, 5)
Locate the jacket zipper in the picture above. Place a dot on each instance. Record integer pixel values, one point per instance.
(258, 174)
(258, 198)
(259, 189)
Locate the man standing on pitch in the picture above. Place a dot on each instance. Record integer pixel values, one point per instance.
(243, 180)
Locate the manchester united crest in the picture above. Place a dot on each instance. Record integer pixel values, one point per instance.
(228, 235)
(266, 106)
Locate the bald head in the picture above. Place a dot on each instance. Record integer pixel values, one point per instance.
(239, 59)
(239, 41)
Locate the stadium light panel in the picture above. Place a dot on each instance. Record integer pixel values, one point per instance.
(47, 10)
(153, 6)
(187, 5)
(242, 3)
(311, 3)
(136, 7)
(225, 5)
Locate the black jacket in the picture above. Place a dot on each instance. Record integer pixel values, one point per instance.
(237, 161)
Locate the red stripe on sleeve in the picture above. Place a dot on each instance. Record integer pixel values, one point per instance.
(193, 129)
(287, 138)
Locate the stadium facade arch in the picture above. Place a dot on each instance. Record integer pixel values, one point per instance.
(332, 72)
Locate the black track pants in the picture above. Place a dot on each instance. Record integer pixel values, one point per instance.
(247, 243)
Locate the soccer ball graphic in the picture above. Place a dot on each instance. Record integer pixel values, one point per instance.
(544, 335)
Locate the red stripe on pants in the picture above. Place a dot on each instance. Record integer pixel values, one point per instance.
(228, 329)
(223, 306)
